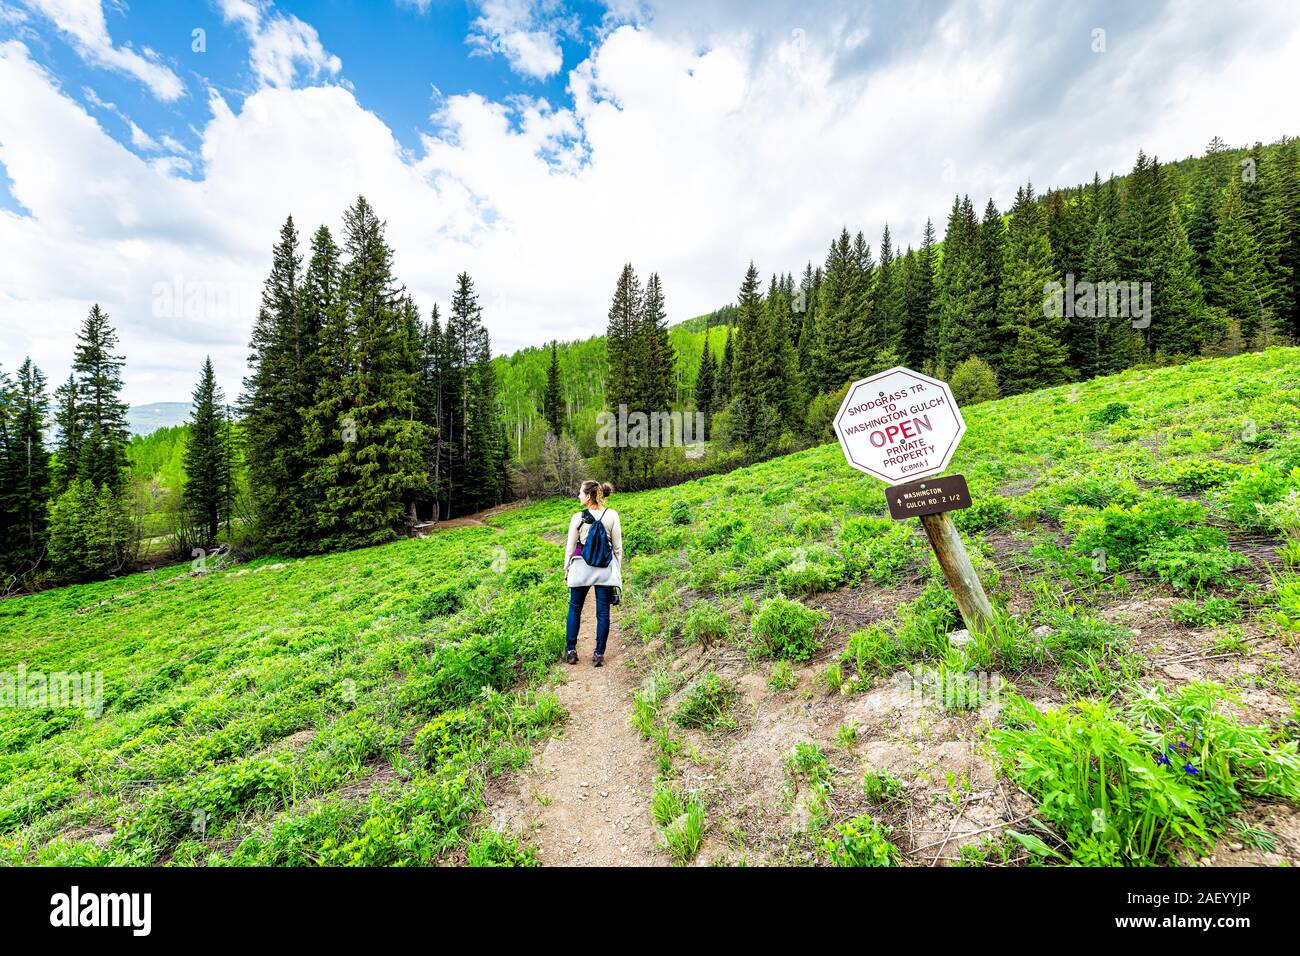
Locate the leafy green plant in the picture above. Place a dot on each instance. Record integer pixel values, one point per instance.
(1110, 413)
(441, 601)
(1213, 610)
(1192, 561)
(684, 835)
(706, 623)
(861, 841)
(782, 677)
(786, 630)
(880, 786)
(1135, 786)
(808, 769)
(498, 849)
(648, 700)
(707, 703)
(680, 821)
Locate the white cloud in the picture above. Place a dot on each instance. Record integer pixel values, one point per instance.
(83, 23)
(282, 45)
(683, 155)
(140, 139)
(526, 32)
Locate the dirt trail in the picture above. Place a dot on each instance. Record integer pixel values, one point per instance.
(596, 778)
(474, 520)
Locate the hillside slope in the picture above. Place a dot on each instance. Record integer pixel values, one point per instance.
(386, 706)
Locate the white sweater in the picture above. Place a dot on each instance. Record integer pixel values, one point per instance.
(578, 572)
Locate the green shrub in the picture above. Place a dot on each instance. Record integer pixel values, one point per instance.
(786, 630)
(1094, 491)
(1192, 561)
(879, 548)
(720, 531)
(861, 841)
(522, 575)
(879, 786)
(1136, 786)
(441, 601)
(782, 677)
(705, 623)
(1110, 413)
(666, 804)
(448, 736)
(499, 849)
(639, 539)
(987, 512)
(680, 821)
(1127, 534)
(707, 704)
(679, 512)
(811, 570)
(1197, 474)
(812, 524)
(1254, 487)
(973, 381)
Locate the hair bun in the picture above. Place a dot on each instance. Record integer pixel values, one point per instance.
(606, 489)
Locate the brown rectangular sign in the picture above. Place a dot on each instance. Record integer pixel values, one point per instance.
(928, 496)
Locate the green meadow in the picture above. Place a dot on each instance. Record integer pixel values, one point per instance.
(1136, 701)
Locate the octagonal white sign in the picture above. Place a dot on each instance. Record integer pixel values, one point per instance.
(899, 425)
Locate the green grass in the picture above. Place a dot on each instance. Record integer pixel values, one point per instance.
(351, 708)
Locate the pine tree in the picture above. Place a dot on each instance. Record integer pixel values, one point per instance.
(1064, 233)
(101, 457)
(67, 416)
(473, 420)
(553, 400)
(1237, 282)
(833, 362)
(653, 377)
(1143, 224)
(959, 333)
(370, 482)
(920, 318)
(753, 415)
(1288, 201)
(1203, 216)
(279, 449)
(624, 350)
(208, 493)
(429, 410)
(24, 471)
(1102, 343)
(806, 310)
(724, 390)
(1181, 324)
(1261, 186)
(620, 340)
(784, 387)
(487, 445)
(1033, 353)
(704, 383)
(888, 322)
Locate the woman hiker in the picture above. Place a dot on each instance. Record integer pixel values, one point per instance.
(582, 577)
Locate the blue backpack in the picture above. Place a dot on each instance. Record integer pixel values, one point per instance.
(596, 550)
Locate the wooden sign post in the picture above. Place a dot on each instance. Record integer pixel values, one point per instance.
(902, 424)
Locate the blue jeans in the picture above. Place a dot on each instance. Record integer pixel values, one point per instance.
(577, 598)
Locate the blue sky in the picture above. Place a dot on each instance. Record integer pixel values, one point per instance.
(540, 144)
(401, 60)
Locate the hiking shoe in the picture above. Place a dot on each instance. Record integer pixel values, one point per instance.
(570, 657)
(597, 660)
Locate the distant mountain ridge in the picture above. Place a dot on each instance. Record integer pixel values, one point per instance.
(146, 419)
